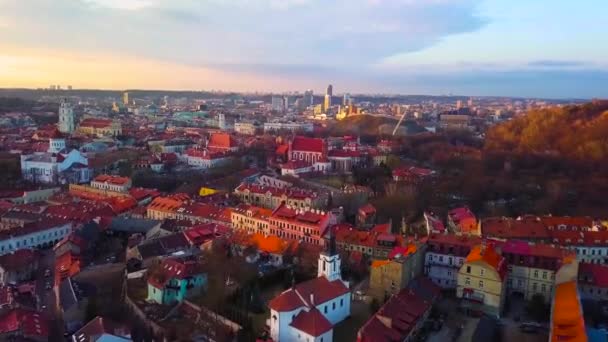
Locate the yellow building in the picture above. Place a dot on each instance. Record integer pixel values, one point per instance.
(327, 103)
(100, 127)
(388, 277)
(251, 219)
(481, 283)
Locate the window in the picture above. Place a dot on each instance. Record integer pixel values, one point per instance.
(333, 306)
(534, 286)
(543, 288)
(467, 281)
(468, 269)
(481, 284)
(481, 271)
(545, 275)
(341, 302)
(535, 273)
(325, 309)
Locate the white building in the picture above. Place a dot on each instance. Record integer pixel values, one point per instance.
(308, 311)
(52, 167)
(288, 126)
(66, 118)
(245, 128)
(205, 159)
(444, 256)
(37, 234)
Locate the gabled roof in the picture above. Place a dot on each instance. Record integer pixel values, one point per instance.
(318, 290)
(593, 275)
(312, 322)
(305, 144)
(487, 254)
(173, 268)
(98, 326)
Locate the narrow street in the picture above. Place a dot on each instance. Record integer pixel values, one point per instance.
(47, 298)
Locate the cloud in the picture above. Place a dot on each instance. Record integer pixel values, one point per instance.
(289, 32)
(558, 64)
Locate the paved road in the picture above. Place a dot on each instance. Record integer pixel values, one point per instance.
(47, 301)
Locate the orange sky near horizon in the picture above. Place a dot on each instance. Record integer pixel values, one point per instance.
(34, 68)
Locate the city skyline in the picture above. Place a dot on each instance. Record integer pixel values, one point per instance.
(478, 48)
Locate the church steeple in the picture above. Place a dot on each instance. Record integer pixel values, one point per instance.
(329, 259)
(66, 117)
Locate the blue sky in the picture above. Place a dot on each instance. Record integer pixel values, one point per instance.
(536, 48)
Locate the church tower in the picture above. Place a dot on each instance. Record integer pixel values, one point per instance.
(66, 118)
(329, 260)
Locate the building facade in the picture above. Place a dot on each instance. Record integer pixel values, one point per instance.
(482, 281)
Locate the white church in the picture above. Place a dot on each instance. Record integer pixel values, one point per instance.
(308, 311)
(59, 164)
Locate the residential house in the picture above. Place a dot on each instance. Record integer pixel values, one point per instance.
(532, 267)
(300, 224)
(593, 281)
(403, 315)
(18, 266)
(388, 277)
(112, 183)
(482, 280)
(273, 197)
(463, 220)
(268, 249)
(445, 254)
(375, 243)
(208, 159)
(366, 216)
(251, 219)
(175, 280)
(166, 207)
(308, 311)
(101, 329)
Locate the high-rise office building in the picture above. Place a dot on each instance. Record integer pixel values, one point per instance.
(308, 97)
(470, 103)
(330, 90)
(346, 101)
(327, 102)
(458, 104)
(277, 103)
(125, 98)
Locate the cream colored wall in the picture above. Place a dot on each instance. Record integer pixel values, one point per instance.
(492, 287)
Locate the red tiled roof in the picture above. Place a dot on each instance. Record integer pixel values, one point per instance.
(18, 259)
(593, 274)
(321, 289)
(305, 144)
(30, 323)
(395, 320)
(311, 322)
(112, 179)
(521, 228)
(96, 123)
(221, 141)
(172, 269)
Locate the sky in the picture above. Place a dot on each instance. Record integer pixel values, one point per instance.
(539, 48)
